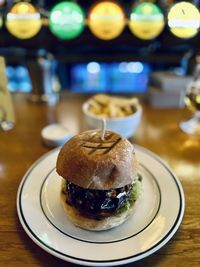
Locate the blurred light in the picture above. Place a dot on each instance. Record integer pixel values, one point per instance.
(10, 72)
(66, 20)
(110, 77)
(23, 8)
(146, 21)
(2, 169)
(184, 20)
(89, 82)
(187, 170)
(135, 67)
(2, 2)
(106, 20)
(183, 24)
(18, 79)
(23, 20)
(25, 87)
(123, 67)
(21, 72)
(55, 16)
(93, 67)
(198, 99)
(13, 86)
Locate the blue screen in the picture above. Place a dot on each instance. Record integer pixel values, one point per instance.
(120, 77)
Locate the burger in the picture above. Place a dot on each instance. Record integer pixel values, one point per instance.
(100, 182)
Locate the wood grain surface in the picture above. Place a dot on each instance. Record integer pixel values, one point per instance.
(159, 132)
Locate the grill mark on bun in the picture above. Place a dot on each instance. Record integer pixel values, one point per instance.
(88, 140)
(95, 148)
(101, 146)
(113, 145)
(94, 145)
(97, 144)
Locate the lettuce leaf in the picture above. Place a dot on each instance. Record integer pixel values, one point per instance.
(135, 193)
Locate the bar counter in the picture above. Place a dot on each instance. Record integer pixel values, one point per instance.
(159, 132)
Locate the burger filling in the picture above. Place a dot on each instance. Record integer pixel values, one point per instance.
(102, 203)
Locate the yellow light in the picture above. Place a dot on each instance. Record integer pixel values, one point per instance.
(184, 20)
(23, 20)
(23, 8)
(106, 20)
(146, 21)
(198, 99)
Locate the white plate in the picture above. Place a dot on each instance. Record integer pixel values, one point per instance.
(158, 214)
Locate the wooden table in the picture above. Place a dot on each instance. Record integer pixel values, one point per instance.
(159, 132)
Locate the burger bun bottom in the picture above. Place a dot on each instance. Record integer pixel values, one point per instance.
(94, 224)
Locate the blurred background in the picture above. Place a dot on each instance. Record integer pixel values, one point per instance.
(131, 47)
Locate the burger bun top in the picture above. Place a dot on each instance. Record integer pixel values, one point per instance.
(90, 162)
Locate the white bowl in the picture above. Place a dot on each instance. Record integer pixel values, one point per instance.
(55, 135)
(126, 126)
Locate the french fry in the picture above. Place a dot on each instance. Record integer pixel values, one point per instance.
(102, 99)
(106, 106)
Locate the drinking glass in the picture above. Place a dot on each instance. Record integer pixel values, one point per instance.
(192, 101)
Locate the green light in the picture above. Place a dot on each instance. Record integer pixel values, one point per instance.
(148, 10)
(146, 21)
(66, 20)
